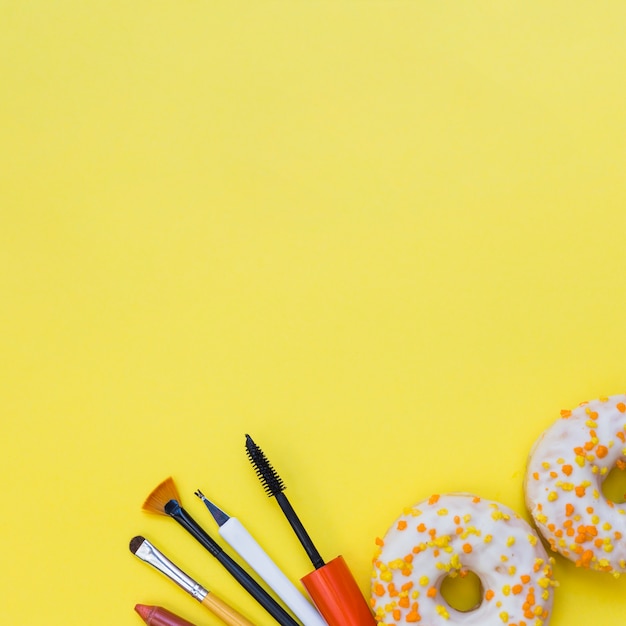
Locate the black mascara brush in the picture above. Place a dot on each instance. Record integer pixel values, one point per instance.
(164, 500)
(331, 585)
(274, 486)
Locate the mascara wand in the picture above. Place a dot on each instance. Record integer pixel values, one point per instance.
(274, 486)
(331, 585)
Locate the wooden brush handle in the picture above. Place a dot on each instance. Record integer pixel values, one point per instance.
(225, 612)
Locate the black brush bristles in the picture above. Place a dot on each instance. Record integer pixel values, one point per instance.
(274, 486)
(271, 481)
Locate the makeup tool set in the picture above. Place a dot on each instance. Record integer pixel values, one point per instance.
(334, 597)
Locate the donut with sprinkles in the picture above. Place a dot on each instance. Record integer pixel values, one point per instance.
(563, 484)
(451, 535)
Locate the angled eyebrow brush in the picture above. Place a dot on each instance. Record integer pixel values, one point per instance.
(164, 500)
(238, 537)
(331, 585)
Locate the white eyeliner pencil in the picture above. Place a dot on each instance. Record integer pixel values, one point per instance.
(236, 535)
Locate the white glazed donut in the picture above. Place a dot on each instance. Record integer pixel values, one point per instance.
(563, 484)
(451, 535)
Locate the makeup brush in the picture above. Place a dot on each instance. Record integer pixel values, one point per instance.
(238, 537)
(143, 549)
(331, 585)
(164, 500)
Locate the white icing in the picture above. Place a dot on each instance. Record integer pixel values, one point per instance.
(568, 506)
(469, 533)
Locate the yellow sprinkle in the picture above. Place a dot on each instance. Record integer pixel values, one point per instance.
(512, 570)
(442, 512)
(544, 582)
(591, 424)
(541, 518)
(442, 611)
(504, 616)
(605, 526)
(538, 610)
(506, 590)
(488, 538)
(504, 558)
(596, 520)
(580, 460)
(545, 465)
(552, 496)
(560, 461)
(510, 541)
(424, 581)
(545, 594)
(386, 576)
(467, 518)
(532, 540)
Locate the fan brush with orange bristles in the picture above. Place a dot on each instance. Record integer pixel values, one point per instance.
(164, 500)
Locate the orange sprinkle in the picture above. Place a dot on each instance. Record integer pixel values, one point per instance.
(401, 525)
(579, 451)
(379, 541)
(589, 445)
(525, 578)
(580, 491)
(396, 614)
(601, 451)
(407, 586)
(432, 592)
(590, 510)
(617, 534)
(467, 548)
(536, 475)
(433, 499)
(404, 602)
(621, 407)
(516, 589)
(475, 499)
(457, 519)
(421, 528)
(379, 590)
(620, 434)
(569, 509)
(567, 470)
(565, 413)
(553, 475)
(413, 615)
(489, 594)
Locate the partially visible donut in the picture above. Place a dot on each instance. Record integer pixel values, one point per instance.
(563, 484)
(451, 535)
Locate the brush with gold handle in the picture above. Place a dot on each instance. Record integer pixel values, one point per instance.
(143, 549)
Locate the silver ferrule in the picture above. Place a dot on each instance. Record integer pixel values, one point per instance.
(148, 553)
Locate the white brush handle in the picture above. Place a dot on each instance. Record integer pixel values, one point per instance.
(253, 554)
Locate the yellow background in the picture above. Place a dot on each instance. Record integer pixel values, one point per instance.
(387, 239)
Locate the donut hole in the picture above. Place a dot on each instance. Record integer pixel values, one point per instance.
(462, 591)
(614, 485)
